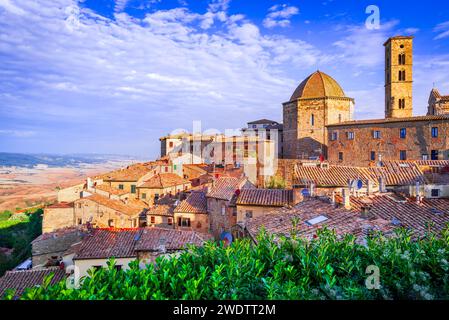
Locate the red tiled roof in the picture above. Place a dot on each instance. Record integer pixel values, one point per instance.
(409, 213)
(108, 243)
(265, 197)
(161, 210)
(196, 202)
(393, 173)
(106, 188)
(131, 173)
(132, 208)
(163, 180)
(61, 205)
(57, 233)
(389, 120)
(331, 176)
(151, 239)
(342, 221)
(225, 187)
(20, 280)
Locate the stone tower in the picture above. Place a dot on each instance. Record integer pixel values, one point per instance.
(398, 77)
(317, 101)
(438, 104)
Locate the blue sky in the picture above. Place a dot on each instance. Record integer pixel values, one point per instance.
(111, 76)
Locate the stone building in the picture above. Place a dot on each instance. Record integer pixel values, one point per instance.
(438, 104)
(161, 215)
(191, 214)
(318, 119)
(221, 203)
(317, 101)
(57, 216)
(160, 185)
(103, 212)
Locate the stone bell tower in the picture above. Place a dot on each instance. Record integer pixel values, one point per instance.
(398, 77)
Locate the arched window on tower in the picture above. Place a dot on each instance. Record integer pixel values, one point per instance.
(312, 120)
(401, 75)
(401, 59)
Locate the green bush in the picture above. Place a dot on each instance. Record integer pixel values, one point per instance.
(5, 215)
(291, 268)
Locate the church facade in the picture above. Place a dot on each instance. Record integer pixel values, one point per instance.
(318, 119)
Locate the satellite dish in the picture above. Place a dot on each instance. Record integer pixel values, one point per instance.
(226, 237)
(359, 184)
(305, 192)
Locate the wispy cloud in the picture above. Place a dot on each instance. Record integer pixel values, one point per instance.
(17, 133)
(442, 29)
(279, 16)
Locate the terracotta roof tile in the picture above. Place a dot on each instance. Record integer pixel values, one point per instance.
(196, 202)
(102, 243)
(225, 187)
(131, 173)
(132, 208)
(342, 221)
(60, 205)
(106, 188)
(20, 280)
(151, 239)
(163, 180)
(161, 210)
(265, 197)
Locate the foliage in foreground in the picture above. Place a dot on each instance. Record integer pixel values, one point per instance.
(325, 268)
(16, 232)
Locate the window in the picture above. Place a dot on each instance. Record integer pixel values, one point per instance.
(120, 186)
(401, 103)
(80, 221)
(401, 75)
(118, 267)
(401, 59)
(133, 188)
(434, 155)
(249, 213)
(152, 220)
(350, 135)
(435, 132)
(184, 222)
(425, 156)
(174, 167)
(403, 155)
(110, 223)
(435, 193)
(340, 156)
(334, 135)
(166, 169)
(170, 221)
(312, 120)
(170, 144)
(144, 196)
(376, 134)
(373, 155)
(223, 210)
(403, 133)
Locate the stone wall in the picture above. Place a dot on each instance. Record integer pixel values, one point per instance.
(418, 141)
(199, 222)
(70, 194)
(57, 218)
(98, 215)
(220, 222)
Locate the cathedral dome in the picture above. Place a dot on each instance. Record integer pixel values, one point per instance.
(318, 85)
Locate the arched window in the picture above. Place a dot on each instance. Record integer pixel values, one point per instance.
(401, 75)
(401, 59)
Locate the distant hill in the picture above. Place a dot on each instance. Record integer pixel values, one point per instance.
(52, 160)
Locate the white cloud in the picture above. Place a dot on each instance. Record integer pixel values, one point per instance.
(17, 133)
(279, 16)
(7, 5)
(69, 69)
(442, 29)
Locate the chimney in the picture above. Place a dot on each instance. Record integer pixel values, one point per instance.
(382, 187)
(312, 189)
(333, 198)
(369, 187)
(346, 200)
(297, 196)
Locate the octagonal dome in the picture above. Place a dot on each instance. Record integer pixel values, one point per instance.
(317, 85)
